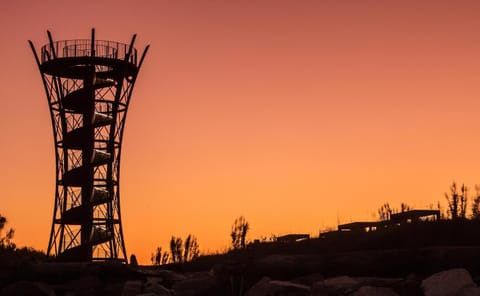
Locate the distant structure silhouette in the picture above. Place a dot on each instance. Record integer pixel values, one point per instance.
(291, 238)
(88, 84)
(397, 219)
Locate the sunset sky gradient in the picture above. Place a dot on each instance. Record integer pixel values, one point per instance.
(296, 114)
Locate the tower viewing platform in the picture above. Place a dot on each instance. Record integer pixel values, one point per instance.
(88, 84)
(70, 58)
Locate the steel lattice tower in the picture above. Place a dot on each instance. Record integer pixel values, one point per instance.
(88, 84)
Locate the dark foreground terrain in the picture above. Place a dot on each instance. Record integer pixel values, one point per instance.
(440, 258)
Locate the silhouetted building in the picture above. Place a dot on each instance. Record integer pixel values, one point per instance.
(360, 226)
(88, 84)
(415, 215)
(395, 220)
(291, 238)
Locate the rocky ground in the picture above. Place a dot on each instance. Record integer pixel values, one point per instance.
(453, 282)
(441, 271)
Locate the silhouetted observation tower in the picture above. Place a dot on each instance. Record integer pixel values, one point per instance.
(88, 84)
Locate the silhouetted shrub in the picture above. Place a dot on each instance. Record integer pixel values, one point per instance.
(457, 202)
(239, 233)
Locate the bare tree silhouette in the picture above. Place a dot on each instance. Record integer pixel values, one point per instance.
(165, 258)
(457, 202)
(156, 256)
(160, 258)
(476, 204)
(6, 241)
(3, 221)
(176, 249)
(384, 212)
(463, 201)
(191, 249)
(239, 233)
(405, 207)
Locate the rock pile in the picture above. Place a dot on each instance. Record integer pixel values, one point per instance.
(155, 282)
(453, 282)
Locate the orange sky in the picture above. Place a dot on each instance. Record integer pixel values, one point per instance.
(295, 114)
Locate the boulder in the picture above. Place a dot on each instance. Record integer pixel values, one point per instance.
(267, 287)
(447, 283)
(166, 277)
(277, 260)
(155, 280)
(374, 291)
(157, 289)
(84, 286)
(340, 282)
(308, 280)
(469, 291)
(409, 286)
(378, 281)
(60, 272)
(336, 285)
(25, 288)
(110, 288)
(132, 288)
(201, 283)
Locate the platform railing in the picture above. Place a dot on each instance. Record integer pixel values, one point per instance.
(83, 48)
